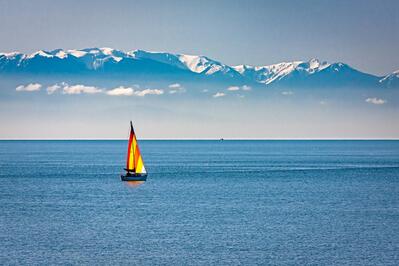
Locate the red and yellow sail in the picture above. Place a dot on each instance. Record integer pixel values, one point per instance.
(134, 162)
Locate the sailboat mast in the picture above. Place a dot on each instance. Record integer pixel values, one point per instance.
(130, 152)
(132, 145)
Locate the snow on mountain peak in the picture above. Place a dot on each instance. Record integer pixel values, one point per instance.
(96, 52)
(270, 73)
(61, 54)
(77, 53)
(107, 50)
(204, 65)
(313, 65)
(391, 78)
(240, 68)
(40, 53)
(195, 63)
(10, 55)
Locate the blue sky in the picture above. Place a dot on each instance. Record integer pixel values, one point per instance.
(364, 34)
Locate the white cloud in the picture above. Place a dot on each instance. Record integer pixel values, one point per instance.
(78, 89)
(117, 91)
(237, 88)
(29, 87)
(205, 90)
(148, 91)
(53, 88)
(218, 94)
(233, 88)
(120, 91)
(246, 88)
(175, 86)
(287, 93)
(375, 101)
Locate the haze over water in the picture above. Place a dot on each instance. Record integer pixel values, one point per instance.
(205, 202)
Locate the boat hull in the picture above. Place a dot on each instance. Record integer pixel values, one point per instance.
(134, 177)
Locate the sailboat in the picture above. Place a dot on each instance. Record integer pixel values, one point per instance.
(135, 169)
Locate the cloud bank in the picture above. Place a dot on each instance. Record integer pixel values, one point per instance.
(83, 89)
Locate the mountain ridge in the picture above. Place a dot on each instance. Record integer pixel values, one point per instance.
(108, 61)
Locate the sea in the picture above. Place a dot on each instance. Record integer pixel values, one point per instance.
(205, 202)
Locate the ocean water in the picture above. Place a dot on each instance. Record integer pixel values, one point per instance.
(205, 203)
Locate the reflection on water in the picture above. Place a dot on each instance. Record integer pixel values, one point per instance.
(134, 183)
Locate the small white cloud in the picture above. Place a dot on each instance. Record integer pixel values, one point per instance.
(323, 102)
(375, 101)
(29, 87)
(205, 90)
(78, 89)
(219, 94)
(246, 88)
(148, 91)
(237, 88)
(175, 86)
(287, 93)
(233, 88)
(120, 91)
(53, 88)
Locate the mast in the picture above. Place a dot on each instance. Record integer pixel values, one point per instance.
(130, 152)
(132, 134)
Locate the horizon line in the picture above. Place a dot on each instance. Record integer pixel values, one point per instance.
(197, 139)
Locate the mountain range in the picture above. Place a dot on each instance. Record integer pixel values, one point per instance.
(110, 63)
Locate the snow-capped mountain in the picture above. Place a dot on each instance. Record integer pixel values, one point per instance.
(312, 72)
(92, 59)
(109, 62)
(194, 63)
(271, 73)
(85, 61)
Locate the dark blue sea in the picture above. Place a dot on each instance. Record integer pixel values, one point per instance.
(204, 203)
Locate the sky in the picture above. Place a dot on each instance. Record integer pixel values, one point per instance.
(364, 34)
